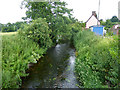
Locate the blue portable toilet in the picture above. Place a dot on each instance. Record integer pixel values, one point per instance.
(98, 29)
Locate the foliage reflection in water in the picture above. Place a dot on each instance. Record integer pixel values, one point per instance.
(55, 70)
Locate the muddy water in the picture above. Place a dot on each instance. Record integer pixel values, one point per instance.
(55, 70)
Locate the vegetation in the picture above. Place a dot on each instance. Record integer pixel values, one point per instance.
(17, 53)
(33, 38)
(38, 31)
(23, 48)
(11, 27)
(96, 60)
(0, 61)
(109, 23)
(114, 19)
(54, 13)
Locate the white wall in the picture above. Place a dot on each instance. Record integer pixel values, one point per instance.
(92, 21)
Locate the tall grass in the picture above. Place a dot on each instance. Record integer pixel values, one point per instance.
(96, 60)
(17, 53)
(0, 61)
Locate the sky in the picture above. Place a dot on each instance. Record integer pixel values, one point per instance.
(10, 10)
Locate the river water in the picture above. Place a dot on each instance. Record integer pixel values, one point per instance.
(55, 70)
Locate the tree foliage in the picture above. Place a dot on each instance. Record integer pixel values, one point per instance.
(114, 19)
(48, 10)
(11, 27)
(54, 12)
(38, 31)
(108, 24)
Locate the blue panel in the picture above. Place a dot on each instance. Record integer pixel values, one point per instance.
(98, 30)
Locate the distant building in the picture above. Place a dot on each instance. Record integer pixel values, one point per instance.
(115, 29)
(93, 20)
(115, 26)
(119, 10)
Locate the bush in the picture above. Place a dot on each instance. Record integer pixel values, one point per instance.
(17, 53)
(19, 50)
(96, 60)
(38, 31)
(76, 27)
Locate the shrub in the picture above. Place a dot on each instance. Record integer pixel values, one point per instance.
(38, 31)
(17, 53)
(97, 60)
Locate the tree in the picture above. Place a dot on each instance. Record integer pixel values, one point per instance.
(114, 19)
(108, 24)
(11, 27)
(48, 10)
(0, 27)
(63, 28)
(18, 25)
(53, 12)
(102, 22)
(7, 27)
(38, 31)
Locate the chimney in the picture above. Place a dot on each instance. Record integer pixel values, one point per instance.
(94, 13)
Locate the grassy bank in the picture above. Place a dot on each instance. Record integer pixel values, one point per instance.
(96, 60)
(17, 53)
(20, 49)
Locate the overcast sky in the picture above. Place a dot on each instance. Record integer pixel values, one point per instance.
(10, 10)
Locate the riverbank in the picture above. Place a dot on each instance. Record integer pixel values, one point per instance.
(17, 53)
(96, 60)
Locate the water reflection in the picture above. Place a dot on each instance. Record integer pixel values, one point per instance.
(55, 70)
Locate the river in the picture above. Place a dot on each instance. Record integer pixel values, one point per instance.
(54, 70)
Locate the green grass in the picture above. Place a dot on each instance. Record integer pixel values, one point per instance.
(0, 61)
(96, 60)
(17, 53)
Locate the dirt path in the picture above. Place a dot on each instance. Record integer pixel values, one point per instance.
(8, 33)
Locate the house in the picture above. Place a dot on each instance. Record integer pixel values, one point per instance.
(92, 20)
(115, 29)
(98, 30)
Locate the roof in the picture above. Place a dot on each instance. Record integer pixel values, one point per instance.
(90, 17)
